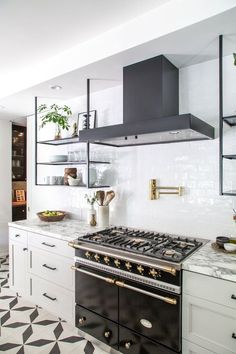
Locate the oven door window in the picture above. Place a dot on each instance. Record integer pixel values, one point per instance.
(152, 317)
(97, 294)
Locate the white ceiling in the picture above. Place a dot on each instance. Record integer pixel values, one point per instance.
(185, 47)
(34, 30)
(188, 46)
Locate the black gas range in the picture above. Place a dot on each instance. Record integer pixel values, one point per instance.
(128, 288)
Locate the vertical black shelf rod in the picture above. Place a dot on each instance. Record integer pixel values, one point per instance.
(87, 144)
(36, 138)
(221, 114)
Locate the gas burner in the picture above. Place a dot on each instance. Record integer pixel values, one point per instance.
(153, 244)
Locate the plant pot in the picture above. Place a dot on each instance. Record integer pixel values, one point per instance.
(103, 216)
(57, 132)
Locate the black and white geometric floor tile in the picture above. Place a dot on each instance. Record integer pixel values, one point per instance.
(27, 329)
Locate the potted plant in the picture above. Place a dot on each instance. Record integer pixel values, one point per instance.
(57, 115)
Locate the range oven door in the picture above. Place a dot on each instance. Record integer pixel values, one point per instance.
(95, 290)
(151, 313)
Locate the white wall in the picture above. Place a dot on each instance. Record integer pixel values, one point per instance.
(194, 165)
(5, 185)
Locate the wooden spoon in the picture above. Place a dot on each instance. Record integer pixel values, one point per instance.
(100, 197)
(109, 196)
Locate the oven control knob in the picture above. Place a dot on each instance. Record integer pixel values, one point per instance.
(82, 320)
(128, 344)
(128, 266)
(140, 269)
(107, 334)
(117, 263)
(88, 254)
(106, 260)
(153, 272)
(97, 257)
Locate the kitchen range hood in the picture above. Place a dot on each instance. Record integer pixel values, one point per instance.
(150, 109)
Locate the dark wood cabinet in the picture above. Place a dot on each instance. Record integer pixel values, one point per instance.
(19, 212)
(18, 153)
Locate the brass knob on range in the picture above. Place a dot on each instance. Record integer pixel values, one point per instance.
(97, 257)
(107, 334)
(82, 320)
(106, 260)
(153, 272)
(117, 263)
(88, 254)
(128, 266)
(128, 344)
(140, 269)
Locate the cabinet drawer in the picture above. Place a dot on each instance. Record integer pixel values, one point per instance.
(220, 291)
(134, 343)
(191, 348)
(53, 298)
(209, 325)
(50, 244)
(51, 267)
(18, 235)
(97, 326)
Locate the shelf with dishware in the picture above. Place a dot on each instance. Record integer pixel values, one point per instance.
(85, 167)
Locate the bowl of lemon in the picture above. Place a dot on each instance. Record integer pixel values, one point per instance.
(51, 215)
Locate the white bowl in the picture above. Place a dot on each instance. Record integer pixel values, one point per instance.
(74, 181)
(230, 247)
(58, 158)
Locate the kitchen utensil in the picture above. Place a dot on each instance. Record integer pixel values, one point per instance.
(100, 195)
(230, 247)
(52, 218)
(109, 196)
(220, 240)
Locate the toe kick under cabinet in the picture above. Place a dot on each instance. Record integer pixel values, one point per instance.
(40, 270)
(209, 315)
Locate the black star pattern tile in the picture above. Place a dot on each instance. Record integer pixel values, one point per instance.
(26, 328)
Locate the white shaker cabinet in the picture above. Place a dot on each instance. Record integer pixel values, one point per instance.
(40, 270)
(209, 315)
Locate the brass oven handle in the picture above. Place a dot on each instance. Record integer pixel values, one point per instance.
(108, 280)
(169, 300)
(164, 268)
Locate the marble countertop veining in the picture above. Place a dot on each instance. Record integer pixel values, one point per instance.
(67, 229)
(209, 262)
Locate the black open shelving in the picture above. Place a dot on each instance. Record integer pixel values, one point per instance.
(229, 120)
(67, 141)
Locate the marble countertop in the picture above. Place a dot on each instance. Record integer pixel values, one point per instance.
(66, 229)
(209, 262)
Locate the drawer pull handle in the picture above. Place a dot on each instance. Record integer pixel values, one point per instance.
(233, 297)
(82, 320)
(48, 267)
(47, 244)
(49, 297)
(233, 335)
(17, 235)
(128, 344)
(107, 334)
(25, 249)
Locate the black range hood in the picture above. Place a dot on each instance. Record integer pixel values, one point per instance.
(150, 109)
